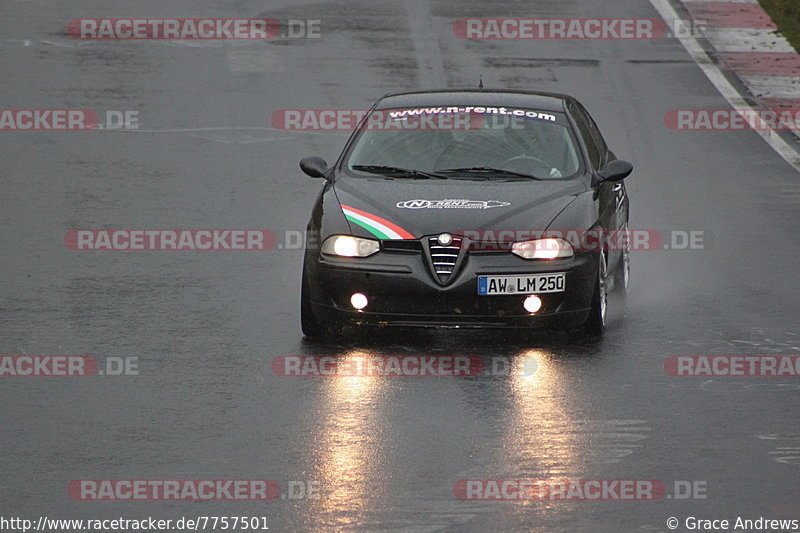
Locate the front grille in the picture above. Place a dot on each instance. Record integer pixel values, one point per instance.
(444, 258)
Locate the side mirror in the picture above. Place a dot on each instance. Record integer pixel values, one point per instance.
(314, 166)
(616, 170)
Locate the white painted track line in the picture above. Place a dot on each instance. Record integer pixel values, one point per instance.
(724, 86)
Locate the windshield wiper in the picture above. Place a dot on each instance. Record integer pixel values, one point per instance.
(488, 170)
(397, 171)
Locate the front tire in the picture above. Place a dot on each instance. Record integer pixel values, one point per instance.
(595, 324)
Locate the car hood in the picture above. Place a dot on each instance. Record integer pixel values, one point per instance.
(410, 209)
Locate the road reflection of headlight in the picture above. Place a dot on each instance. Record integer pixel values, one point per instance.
(540, 433)
(528, 369)
(528, 366)
(348, 446)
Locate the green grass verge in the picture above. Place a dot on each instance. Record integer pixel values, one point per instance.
(786, 14)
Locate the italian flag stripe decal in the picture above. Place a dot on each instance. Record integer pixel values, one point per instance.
(381, 228)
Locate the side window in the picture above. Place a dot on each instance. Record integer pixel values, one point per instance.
(583, 121)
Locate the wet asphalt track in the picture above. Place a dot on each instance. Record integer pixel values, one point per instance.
(385, 452)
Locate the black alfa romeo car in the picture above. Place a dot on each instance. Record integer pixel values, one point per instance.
(467, 208)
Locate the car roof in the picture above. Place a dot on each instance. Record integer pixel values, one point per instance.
(475, 97)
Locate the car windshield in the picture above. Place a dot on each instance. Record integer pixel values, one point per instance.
(452, 142)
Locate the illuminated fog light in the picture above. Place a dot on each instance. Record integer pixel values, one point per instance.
(358, 301)
(532, 304)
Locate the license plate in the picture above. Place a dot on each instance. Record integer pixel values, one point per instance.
(525, 284)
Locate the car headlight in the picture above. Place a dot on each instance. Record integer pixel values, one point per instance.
(347, 246)
(551, 248)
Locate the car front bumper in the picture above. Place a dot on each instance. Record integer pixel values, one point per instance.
(401, 291)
